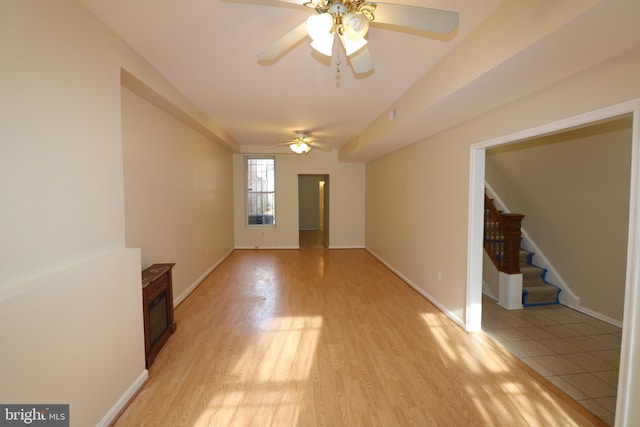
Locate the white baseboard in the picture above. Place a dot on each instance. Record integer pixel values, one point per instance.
(194, 285)
(595, 315)
(124, 400)
(265, 247)
(421, 291)
(297, 247)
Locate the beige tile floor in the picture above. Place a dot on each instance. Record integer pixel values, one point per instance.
(578, 354)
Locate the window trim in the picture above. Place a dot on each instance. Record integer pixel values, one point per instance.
(246, 191)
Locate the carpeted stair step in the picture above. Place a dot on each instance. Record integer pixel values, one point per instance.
(531, 272)
(539, 293)
(535, 291)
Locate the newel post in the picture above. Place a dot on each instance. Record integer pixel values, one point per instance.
(512, 235)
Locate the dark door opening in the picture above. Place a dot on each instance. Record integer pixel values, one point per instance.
(313, 211)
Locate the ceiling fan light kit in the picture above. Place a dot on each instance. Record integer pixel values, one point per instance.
(299, 147)
(343, 19)
(302, 143)
(350, 20)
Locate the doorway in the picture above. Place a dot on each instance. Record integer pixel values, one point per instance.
(313, 211)
(476, 208)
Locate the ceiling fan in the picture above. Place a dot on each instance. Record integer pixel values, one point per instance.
(349, 20)
(301, 143)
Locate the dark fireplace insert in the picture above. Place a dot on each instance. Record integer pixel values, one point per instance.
(157, 302)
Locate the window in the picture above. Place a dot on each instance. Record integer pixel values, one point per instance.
(261, 191)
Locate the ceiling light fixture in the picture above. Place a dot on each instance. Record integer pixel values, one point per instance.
(298, 146)
(349, 19)
(302, 143)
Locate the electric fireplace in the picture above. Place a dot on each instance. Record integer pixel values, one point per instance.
(157, 302)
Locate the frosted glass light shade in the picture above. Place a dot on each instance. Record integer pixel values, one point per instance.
(300, 147)
(356, 25)
(324, 46)
(318, 26)
(352, 46)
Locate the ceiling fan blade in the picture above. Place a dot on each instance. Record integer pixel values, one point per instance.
(421, 18)
(320, 146)
(283, 43)
(361, 61)
(283, 144)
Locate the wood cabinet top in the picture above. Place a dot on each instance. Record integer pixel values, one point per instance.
(153, 272)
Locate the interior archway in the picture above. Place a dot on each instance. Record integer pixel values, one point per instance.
(473, 318)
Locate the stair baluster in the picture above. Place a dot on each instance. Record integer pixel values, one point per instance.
(502, 236)
(512, 235)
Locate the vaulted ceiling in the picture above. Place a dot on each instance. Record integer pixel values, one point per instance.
(502, 49)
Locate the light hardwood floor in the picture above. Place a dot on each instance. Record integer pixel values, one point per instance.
(322, 337)
(311, 239)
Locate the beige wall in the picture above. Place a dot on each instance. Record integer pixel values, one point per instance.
(418, 198)
(417, 217)
(178, 202)
(346, 201)
(66, 271)
(60, 121)
(68, 337)
(453, 90)
(70, 289)
(573, 189)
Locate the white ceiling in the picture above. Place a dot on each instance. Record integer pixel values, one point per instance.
(208, 49)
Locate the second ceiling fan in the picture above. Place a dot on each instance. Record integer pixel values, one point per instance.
(302, 143)
(349, 20)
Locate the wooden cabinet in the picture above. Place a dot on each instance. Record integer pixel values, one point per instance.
(157, 305)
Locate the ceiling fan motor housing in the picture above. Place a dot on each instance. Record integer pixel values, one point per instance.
(338, 7)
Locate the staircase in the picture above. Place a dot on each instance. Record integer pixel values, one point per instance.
(535, 289)
(502, 238)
